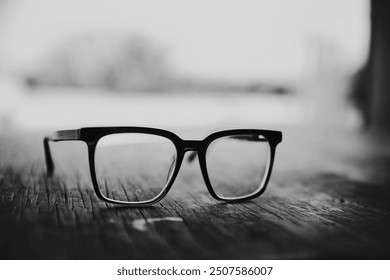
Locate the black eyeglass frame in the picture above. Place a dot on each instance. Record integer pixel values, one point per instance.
(92, 135)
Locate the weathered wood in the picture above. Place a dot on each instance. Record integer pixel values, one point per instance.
(328, 198)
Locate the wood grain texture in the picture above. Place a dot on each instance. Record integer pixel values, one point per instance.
(328, 198)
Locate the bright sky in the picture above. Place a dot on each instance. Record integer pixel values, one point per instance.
(240, 39)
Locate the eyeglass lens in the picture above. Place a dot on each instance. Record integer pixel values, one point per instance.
(237, 165)
(133, 167)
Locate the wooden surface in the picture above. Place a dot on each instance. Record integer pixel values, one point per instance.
(328, 198)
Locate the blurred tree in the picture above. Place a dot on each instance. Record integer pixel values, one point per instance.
(130, 63)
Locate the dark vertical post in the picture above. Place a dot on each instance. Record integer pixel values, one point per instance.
(379, 64)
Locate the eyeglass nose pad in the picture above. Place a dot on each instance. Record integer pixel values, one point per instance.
(171, 169)
(192, 156)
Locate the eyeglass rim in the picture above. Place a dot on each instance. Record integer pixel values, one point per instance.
(262, 184)
(92, 135)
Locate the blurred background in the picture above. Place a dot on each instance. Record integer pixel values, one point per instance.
(316, 70)
(172, 63)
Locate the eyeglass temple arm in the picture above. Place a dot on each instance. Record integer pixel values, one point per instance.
(61, 135)
(257, 138)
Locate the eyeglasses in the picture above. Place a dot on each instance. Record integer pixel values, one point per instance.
(138, 165)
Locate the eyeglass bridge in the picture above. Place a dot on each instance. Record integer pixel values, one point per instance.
(192, 145)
